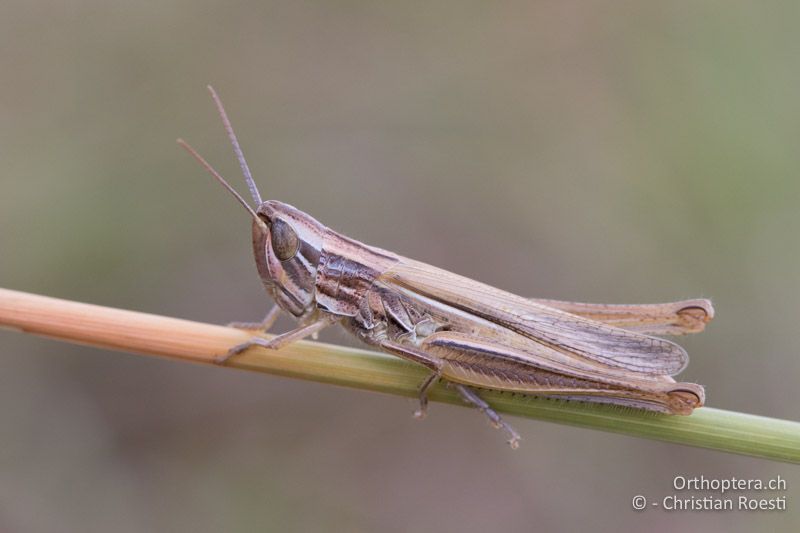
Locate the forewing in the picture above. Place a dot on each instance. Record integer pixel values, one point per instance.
(569, 335)
(673, 318)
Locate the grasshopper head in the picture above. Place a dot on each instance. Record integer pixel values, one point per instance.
(287, 244)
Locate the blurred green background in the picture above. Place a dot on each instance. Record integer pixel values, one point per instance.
(612, 152)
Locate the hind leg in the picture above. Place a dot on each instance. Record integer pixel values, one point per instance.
(471, 397)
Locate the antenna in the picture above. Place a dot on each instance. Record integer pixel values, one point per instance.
(220, 179)
(236, 148)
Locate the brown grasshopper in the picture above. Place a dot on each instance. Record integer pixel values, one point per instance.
(471, 335)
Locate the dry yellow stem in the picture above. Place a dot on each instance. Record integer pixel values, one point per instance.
(175, 338)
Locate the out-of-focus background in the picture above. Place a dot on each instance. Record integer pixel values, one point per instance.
(587, 151)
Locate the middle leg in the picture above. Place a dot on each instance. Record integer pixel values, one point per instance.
(417, 356)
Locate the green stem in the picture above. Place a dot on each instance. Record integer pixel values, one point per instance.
(715, 429)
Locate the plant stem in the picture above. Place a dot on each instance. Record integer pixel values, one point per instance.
(174, 338)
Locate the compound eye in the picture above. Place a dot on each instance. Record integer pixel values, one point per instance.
(284, 240)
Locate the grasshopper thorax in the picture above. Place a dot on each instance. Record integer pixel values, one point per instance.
(287, 248)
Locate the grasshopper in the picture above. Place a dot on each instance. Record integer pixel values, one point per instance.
(468, 334)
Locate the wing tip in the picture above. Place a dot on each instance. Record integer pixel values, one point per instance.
(695, 314)
(685, 398)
